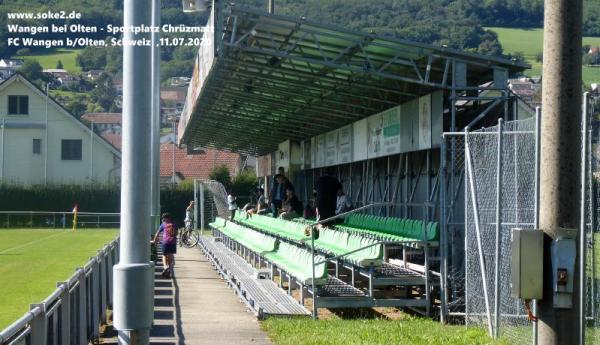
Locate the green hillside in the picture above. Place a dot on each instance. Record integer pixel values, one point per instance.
(48, 58)
(530, 43)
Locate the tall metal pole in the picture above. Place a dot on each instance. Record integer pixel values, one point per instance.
(173, 156)
(271, 6)
(133, 276)
(560, 160)
(91, 151)
(155, 144)
(583, 221)
(46, 141)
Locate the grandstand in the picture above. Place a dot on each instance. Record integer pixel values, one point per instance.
(308, 96)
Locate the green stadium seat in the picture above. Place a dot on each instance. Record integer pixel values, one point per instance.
(297, 262)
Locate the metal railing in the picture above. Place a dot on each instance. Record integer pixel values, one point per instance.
(46, 219)
(313, 226)
(72, 314)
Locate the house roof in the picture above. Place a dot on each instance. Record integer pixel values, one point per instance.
(174, 93)
(67, 113)
(114, 139)
(104, 118)
(196, 165)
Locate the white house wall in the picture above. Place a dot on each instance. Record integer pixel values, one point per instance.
(20, 165)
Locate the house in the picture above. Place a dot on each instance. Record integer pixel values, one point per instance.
(176, 162)
(15, 63)
(528, 90)
(104, 122)
(62, 77)
(41, 142)
(173, 96)
(180, 81)
(8, 67)
(93, 74)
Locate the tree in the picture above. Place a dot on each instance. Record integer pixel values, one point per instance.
(539, 57)
(33, 71)
(221, 174)
(244, 183)
(104, 93)
(59, 65)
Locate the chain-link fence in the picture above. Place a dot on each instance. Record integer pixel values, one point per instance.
(500, 192)
(491, 176)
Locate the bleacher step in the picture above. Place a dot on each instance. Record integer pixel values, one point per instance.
(262, 296)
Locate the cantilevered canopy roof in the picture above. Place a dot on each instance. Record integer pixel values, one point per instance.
(275, 78)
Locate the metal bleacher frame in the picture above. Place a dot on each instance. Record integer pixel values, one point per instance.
(338, 294)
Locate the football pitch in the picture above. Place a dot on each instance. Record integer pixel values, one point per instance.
(33, 260)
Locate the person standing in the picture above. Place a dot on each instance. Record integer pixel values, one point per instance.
(168, 244)
(189, 215)
(231, 205)
(326, 188)
(278, 191)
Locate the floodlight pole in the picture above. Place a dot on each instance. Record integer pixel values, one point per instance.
(271, 6)
(560, 160)
(155, 144)
(133, 276)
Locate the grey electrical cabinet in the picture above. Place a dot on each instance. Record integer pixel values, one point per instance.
(527, 263)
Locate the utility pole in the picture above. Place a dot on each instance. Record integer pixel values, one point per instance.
(560, 164)
(155, 144)
(133, 276)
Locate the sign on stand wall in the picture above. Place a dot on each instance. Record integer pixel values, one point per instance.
(411, 126)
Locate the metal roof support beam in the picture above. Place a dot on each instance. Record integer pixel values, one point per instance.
(296, 93)
(299, 74)
(340, 66)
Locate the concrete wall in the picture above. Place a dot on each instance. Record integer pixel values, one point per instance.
(18, 163)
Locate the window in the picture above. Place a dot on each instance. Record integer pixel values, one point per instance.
(37, 146)
(71, 150)
(18, 105)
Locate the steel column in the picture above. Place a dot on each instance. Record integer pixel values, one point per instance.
(133, 276)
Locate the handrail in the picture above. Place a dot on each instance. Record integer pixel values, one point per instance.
(34, 323)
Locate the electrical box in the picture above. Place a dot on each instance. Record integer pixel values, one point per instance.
(527, 263)
(564, 250)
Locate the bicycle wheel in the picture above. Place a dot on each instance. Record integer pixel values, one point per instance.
(190, 238)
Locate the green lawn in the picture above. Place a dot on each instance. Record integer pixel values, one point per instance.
(337, 331)
(48, 58)
(530, 42)
(32, 261)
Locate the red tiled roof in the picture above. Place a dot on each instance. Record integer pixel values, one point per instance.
(197, 165)
(109, 118)
(176, 94)
(114, 139)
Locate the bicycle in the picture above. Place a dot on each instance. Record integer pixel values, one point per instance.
(188, 236)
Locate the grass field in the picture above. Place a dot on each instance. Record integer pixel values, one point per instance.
(32, 261)
(338, 331)
(530, 42)
(48, 58)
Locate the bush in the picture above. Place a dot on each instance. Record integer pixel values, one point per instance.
(91, 198)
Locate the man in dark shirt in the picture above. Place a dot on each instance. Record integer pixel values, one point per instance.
(326, 188)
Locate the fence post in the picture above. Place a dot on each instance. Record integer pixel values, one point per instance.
(471, 175)
(498, 231)
(95, 298)
(65, 313)
(81, 307)
(39, 326)
(443, 235)
(201, 186)
(110, 256)
(102, 281)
